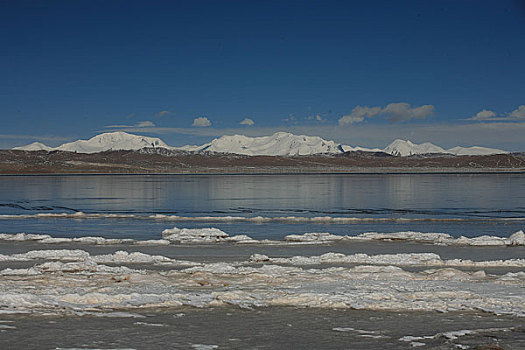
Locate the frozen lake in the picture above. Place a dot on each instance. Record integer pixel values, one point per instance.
(374, 261)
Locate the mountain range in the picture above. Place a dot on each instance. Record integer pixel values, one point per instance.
(278, 144)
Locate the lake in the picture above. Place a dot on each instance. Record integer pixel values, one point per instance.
(257, 261)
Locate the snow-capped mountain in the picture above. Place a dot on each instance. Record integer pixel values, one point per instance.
(474, 151)
(406, 148)
(278, 144)
(103, 142)
(112, 141)
(35, 146)
(346, 148)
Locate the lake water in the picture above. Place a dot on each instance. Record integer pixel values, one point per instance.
(267, 290)
(480, 204)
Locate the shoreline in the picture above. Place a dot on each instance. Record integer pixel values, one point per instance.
(288, 171)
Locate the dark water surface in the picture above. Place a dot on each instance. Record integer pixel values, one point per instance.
(477, 203)
(456, 195)
(269, 328)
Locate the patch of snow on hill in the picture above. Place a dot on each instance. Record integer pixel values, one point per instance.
(406, 148)
(35, 146)
(346, 148)
(474, 151)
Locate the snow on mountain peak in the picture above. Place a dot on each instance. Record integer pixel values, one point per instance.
(103, 142)
(278, 144)
(474, 151)
(35, 146)
(407, 148)
(112, 141)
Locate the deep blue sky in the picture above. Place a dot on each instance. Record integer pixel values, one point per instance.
(70, 69)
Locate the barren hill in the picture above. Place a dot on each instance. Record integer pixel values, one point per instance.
(149, 160)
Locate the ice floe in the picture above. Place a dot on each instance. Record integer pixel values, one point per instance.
(204, 346)
(202, 235)
(21, 237)
(40, 238)
(5, 326)
(153, 242)
(138, 257)
(314, 237)
(77, 255)
(360, 332)
(516, 239)
(59, 285)
(85, 266)
(113, 314)
(402, 259)
(212, 235)
(149, 324)
(453, 335)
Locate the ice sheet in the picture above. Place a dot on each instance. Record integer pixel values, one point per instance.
(212, 235)
(377, 282)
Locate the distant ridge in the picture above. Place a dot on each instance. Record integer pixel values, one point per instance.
(474, 151)
(278, 144)
(406, 148)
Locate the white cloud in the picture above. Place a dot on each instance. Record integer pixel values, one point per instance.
(484, 115)
(247, 121)
(395, 112)
(145, 124)
(359, 114)
(402, 111)
(316, 117)
(518, 113)
(291, 119)
(350, 119)
(162, 113)
(201, 121)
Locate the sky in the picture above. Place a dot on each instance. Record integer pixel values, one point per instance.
(356, 72)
